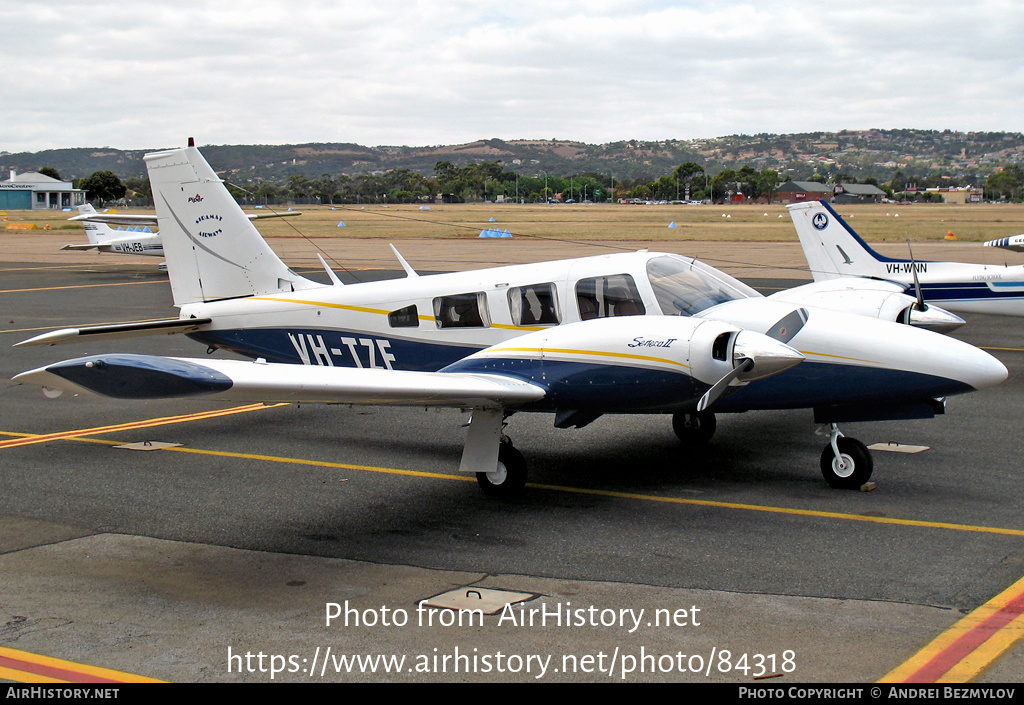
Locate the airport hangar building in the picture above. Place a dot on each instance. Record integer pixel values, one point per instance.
(35, 191)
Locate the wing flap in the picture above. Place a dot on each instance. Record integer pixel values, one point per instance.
(125, 376)
(116, 330)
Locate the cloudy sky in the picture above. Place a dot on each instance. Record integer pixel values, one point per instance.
(385, 72)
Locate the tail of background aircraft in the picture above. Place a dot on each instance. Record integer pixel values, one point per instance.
(831, 246)
(213, 250)
(96, 232)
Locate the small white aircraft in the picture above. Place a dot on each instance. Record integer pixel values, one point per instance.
(139, 240)
(834, 250)
(642, 332)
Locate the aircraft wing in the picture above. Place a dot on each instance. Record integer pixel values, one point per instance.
(116, 330)
(125, 376)
(1015, 243)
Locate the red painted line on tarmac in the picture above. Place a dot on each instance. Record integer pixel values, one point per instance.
(966, 644)
(64, 674)
(25, 667)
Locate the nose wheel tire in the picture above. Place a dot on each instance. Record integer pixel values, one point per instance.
(851, 469)
(694, 428)
(508, 479)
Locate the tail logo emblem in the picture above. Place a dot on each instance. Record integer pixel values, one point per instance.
(195, 199)
(819, 221)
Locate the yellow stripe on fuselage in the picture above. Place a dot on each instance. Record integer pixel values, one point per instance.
(600, 353)
(381, 312)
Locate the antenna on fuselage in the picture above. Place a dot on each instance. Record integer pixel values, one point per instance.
(330, 272)
(405, 265)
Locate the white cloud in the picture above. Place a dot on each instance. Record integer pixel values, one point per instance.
(147, 74)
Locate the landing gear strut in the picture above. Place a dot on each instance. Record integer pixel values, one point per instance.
(508, 479)
(694, 429)
(846, 462)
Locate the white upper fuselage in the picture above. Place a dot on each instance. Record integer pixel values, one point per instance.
(406, 324)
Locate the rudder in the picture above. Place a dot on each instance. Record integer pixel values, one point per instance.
(831, 246)
(213, 250)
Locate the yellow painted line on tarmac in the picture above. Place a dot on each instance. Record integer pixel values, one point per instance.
(147, 423)
(986, 347)
(68, 266)
(76, 286)
(25, 667)
(621, 495)
(324, 464)
(968, 647)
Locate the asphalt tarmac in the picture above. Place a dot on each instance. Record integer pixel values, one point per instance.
(186, 563)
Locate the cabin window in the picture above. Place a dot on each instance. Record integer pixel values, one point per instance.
(605, 297)
(407, 317)
(462, 311)
(533, 305)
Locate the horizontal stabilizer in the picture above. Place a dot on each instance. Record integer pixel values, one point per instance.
(125, 376)
(151, 220)
(1015, 243)
(85, 246)
(116, 330)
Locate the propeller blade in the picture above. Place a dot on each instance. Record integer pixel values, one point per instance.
(917, 285)
(788, 326)
(720, 386)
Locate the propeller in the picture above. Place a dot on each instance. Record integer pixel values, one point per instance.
(768, 353)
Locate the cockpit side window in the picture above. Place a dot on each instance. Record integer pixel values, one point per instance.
(462, 311)
(685, 288)
(605, 297)
(533, 305)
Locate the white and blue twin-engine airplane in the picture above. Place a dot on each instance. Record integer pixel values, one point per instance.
(834, 250)
(642, 332)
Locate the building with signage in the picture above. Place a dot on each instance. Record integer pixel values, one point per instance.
(35, 191)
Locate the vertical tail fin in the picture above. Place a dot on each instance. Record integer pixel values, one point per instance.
(831, 246)
(213, 250)
(96, 232)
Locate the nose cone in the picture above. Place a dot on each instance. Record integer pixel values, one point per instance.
(934, 318)
(769, 355)
(983, 370)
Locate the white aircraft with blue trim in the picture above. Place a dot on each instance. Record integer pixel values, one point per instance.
(137, 240)
(640, 332)
(834, 250)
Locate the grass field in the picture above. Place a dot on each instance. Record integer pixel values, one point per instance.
(748, 223)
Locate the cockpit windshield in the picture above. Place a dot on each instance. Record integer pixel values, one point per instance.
(687, 287)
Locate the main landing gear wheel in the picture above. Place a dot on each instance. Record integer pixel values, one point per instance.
(509, 478)
(851, 469)
(694, 428)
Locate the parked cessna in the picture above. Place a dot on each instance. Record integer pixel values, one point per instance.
(834, 250)
(641, 332)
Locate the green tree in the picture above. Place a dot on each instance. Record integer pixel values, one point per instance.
(51, 172)
(1005, 183)
(102, 186)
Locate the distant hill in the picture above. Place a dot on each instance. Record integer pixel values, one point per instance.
(876, 153)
